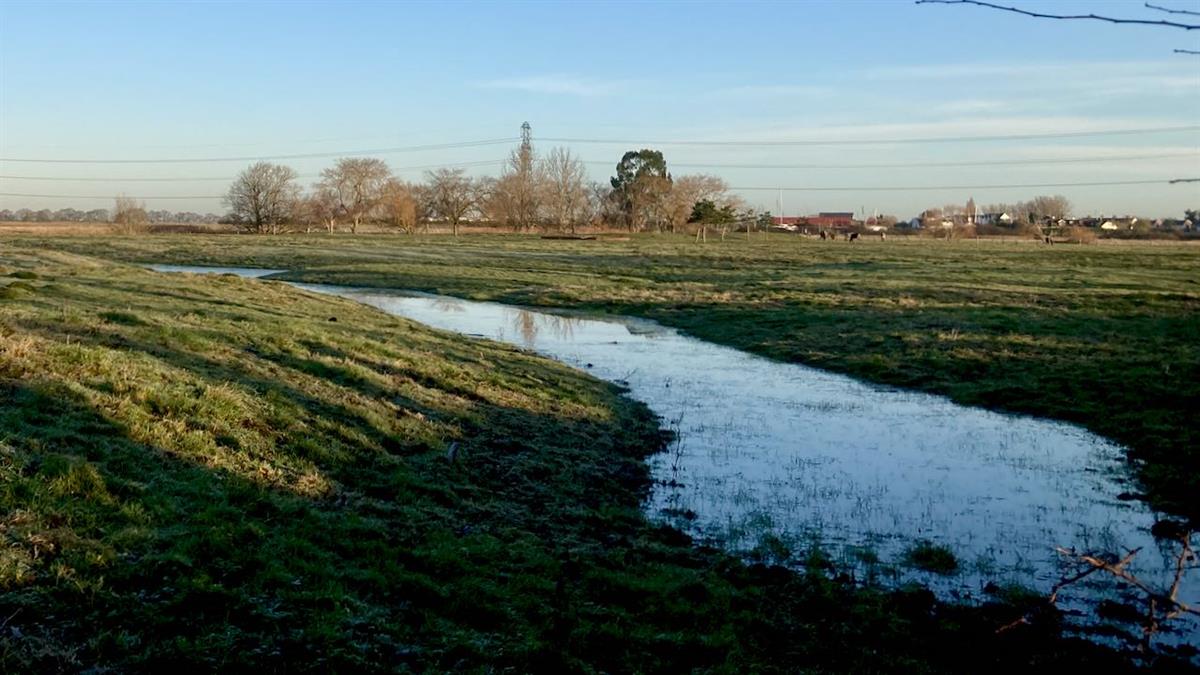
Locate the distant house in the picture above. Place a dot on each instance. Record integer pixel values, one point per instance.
(789, 220)
(993, 219)
(1109, 225)
(838, 218)
(830, 219)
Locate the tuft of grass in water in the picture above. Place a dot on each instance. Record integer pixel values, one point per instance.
(771, 549)
(864, 554)
(930, 557)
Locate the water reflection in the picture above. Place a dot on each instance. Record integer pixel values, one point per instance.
(529, 324)
(446, 304)
(1146, 611)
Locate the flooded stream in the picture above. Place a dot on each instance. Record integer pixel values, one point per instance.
(774, 457)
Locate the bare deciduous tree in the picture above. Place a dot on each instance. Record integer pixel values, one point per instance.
(322, 207)
(1049, 206)
(514, 199)
(399, 204)
(687, 191)
(499, 199)
(129, 215)
(264, 197)
(358, 183)
(566, 195)
(604, 207)
(450, 195)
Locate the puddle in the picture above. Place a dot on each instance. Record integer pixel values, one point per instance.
(248, 272)
(775, 452)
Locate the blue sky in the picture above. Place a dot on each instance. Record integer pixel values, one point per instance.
(130, 80)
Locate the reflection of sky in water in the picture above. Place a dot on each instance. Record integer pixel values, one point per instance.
(809, 455)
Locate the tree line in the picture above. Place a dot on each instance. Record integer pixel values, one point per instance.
(71, 215)
(1022, 214)
(550, 193)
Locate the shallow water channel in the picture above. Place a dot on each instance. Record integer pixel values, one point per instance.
(771, 453)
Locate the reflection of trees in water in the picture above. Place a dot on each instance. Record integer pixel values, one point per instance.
(1162, 605)
(448, 305)
(529, 324)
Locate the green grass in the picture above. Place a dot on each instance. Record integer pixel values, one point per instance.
(1103, 336)
(931, 557)
(207, 473)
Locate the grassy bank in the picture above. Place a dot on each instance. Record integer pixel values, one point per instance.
(224, 474)
(1104, 336)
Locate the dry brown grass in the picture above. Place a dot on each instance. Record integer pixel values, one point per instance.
(69, 228)
(10, 227)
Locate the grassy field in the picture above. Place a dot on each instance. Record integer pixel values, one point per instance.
(222, 474)
(1106, 336)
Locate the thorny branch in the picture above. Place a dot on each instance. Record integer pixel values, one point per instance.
(1168, 599)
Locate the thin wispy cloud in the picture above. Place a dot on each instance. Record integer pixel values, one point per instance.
(952, 71)
(567, 85)
(946, 126)
(968, 106)
(774, 91)
(1096, 78)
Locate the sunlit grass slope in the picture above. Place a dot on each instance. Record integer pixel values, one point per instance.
(233, 472)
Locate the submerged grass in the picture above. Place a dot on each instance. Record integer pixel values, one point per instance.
(930, 557)
(221, 474)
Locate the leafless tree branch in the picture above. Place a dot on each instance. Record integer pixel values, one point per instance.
(1040, 15)
(1186, 51)
(1118, 570)
(1169, 600)
(1168, 10)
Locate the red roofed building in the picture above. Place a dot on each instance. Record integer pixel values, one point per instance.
(824, 220)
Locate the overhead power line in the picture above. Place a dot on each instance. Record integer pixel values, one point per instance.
(254, 158)
(499, 141)
(228, 178)
(921, 164)
(858, 188)
(885, 141)
(1161, 181)
(39, 196)
(689, 165)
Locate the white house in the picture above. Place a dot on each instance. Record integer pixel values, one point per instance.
(993, 219)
